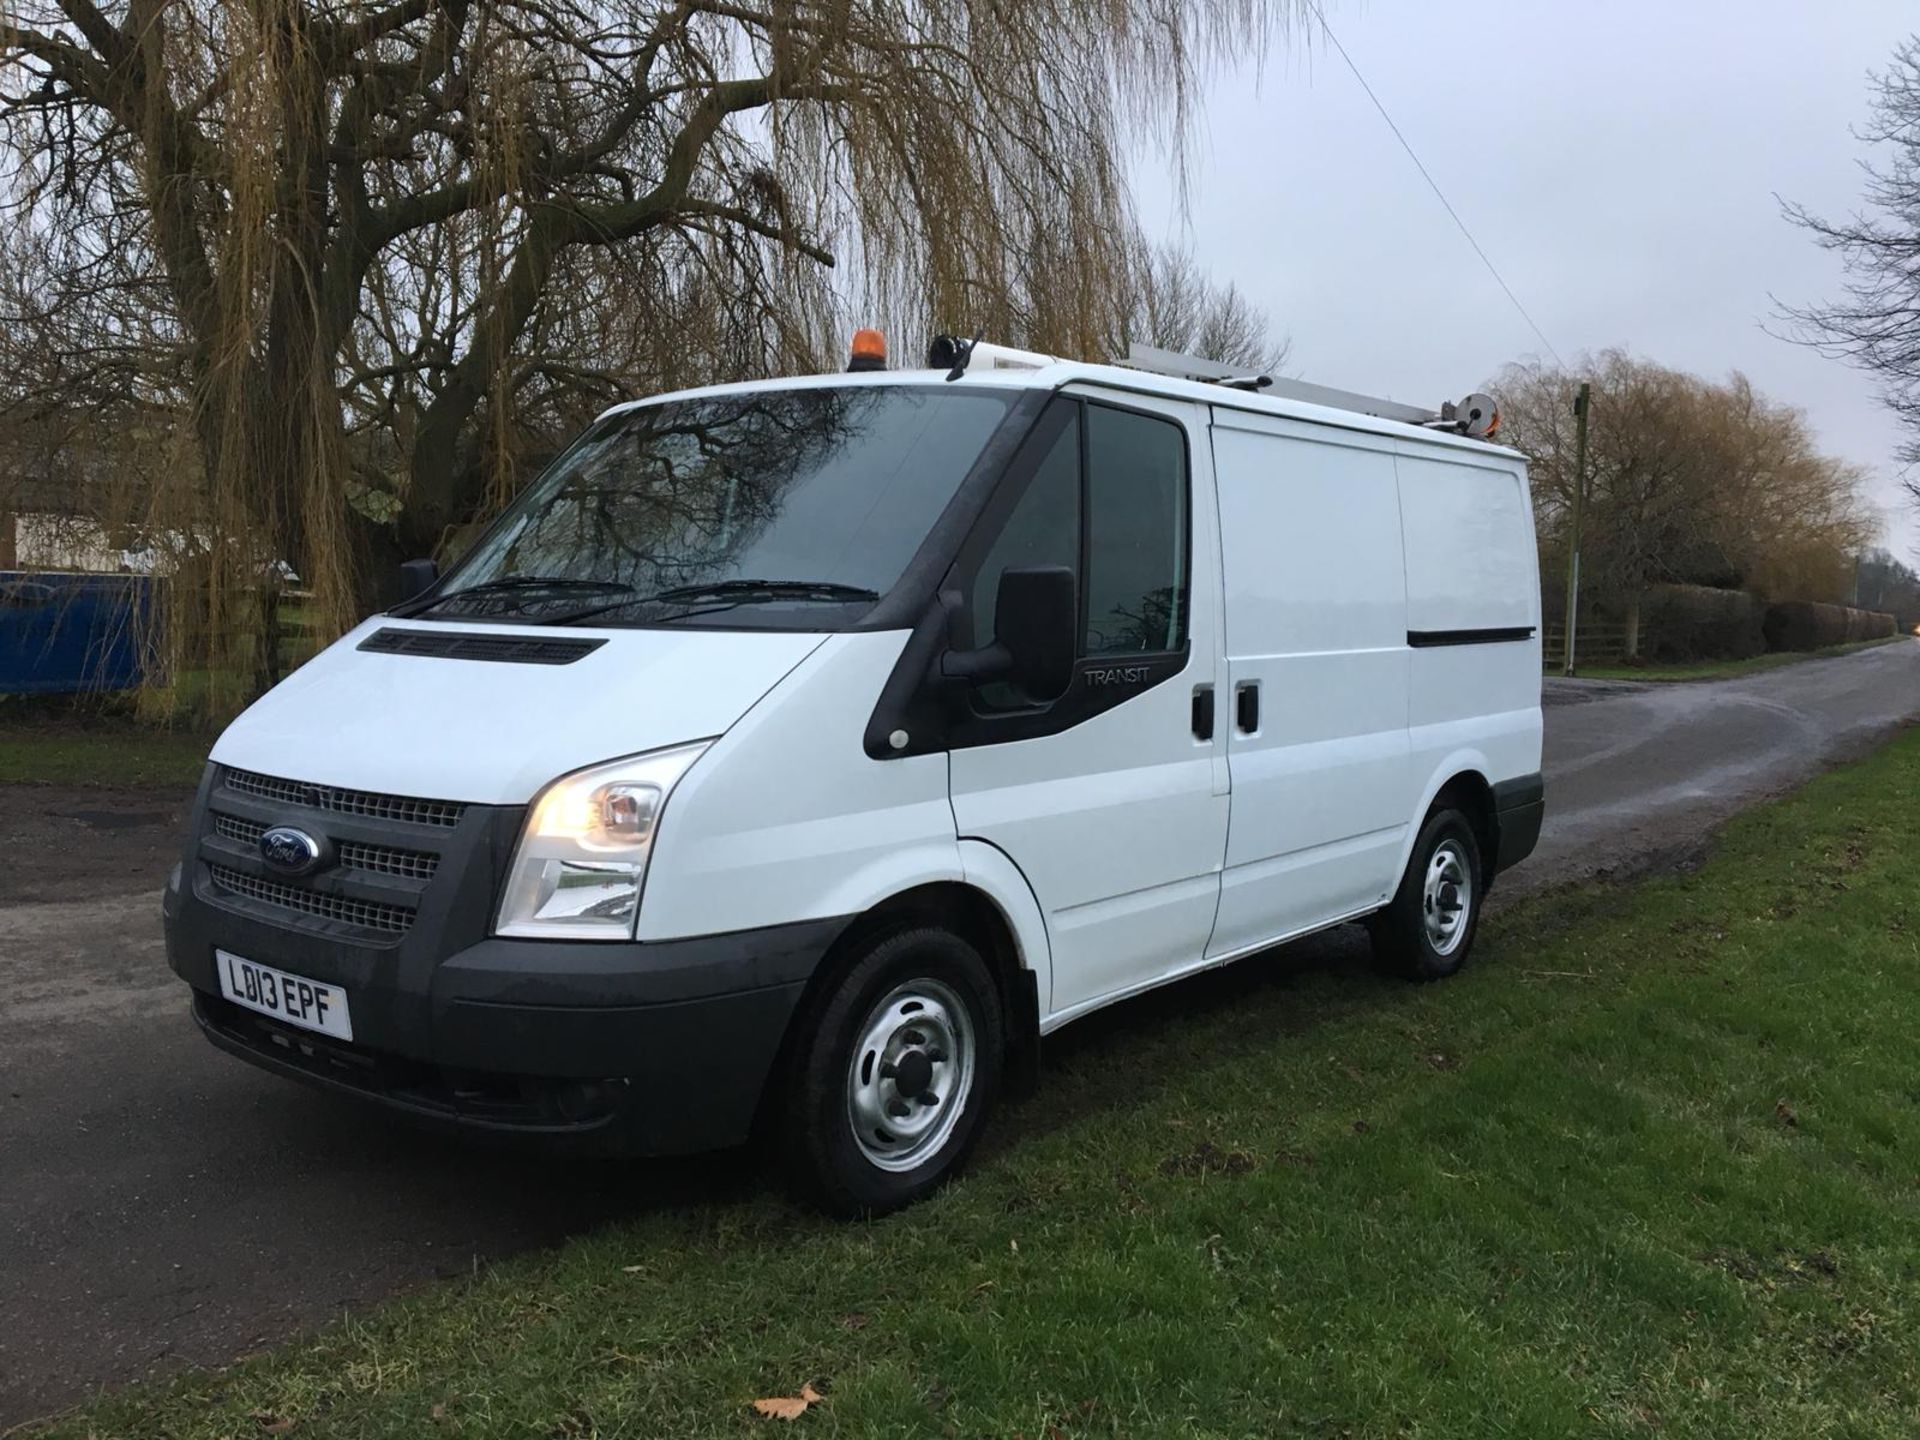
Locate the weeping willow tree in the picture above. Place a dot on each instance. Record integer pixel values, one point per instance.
(370, 251)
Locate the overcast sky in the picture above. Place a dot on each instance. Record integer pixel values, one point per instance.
(1618, 162)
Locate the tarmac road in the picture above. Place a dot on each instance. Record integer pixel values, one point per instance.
(163, 1205)
(1639, 775)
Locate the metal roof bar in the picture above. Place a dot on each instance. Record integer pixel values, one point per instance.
(1192, 367)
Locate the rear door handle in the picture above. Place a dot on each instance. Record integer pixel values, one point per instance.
(1246, 707)
(1203, 712)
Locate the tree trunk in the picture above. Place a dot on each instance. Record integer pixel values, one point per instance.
(1632, 650)
(378, 551)
(442, 491)
(300, 421)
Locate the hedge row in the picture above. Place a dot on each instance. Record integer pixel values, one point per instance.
(1803, 625)
(1696, 622)
(1680, 623)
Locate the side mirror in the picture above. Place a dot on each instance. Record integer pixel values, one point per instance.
(1036, 616)
(417, 577)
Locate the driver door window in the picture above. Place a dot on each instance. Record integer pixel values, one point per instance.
(1135, 587)
(1109, 500)
(1044, 529)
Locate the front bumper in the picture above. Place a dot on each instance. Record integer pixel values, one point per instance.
(659, 1048)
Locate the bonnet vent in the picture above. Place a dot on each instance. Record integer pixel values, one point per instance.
(457, 645)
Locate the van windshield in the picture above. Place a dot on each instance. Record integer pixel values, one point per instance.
(782, 503)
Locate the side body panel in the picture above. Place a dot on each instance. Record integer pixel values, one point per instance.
(1472, 566)
(786, 818)
(1316, 620)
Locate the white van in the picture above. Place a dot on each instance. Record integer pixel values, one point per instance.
(791, 757)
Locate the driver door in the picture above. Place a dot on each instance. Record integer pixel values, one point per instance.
(1113, 798)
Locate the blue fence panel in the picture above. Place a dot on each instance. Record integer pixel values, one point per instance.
(61, 633)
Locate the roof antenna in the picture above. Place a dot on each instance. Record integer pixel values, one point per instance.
(947, 349)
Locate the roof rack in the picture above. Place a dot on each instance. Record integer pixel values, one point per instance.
(1476, 416)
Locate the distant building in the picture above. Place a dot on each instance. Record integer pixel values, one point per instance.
(69, 542)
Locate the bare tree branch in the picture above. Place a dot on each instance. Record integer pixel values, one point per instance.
(1875, 324)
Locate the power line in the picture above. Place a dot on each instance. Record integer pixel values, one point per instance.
(1426, 175)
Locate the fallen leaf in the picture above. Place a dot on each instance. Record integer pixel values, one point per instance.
(853, 1321)
(1783, 1112)
(789, 1407)
(272, 1424)
(631, 1269)
(439, 1412)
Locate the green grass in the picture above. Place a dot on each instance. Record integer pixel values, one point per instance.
(1650, 1167)
(65, 746)
(1721, 669)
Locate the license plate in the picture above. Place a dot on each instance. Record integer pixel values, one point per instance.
(310, 1004)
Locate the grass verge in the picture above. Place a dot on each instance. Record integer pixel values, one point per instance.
(1650, 1166)
(1725, 669)
(73, 747)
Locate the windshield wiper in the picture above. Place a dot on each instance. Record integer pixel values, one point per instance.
(731, 593)
(774, 589)
(524, 584)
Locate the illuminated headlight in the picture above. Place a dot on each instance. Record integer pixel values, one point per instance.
(583, 854)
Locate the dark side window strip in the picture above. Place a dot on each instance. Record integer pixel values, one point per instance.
(1423, 639)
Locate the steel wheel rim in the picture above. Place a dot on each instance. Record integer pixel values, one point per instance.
(1446, 897)
(921, 1036)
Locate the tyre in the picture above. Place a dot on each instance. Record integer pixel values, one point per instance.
(897, 1064)
(1426, 930)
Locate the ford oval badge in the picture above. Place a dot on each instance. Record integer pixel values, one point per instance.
(289, 850)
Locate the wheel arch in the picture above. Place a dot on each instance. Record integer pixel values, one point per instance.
(1471, 794)
(1461, 781)
(967, 910)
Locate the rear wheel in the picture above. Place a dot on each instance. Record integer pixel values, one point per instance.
(894, 1074)
(1427, 929)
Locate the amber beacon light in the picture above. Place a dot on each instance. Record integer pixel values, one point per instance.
(869, 351)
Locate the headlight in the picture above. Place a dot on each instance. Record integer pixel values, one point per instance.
(581, 859)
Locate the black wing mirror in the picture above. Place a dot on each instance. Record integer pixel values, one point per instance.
(417, 577)
(1036, 618)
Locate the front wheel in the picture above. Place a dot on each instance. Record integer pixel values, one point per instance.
(1427, 929)
(894, 1074)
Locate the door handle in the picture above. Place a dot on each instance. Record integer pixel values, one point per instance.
(1246, 707)
(1203, 712)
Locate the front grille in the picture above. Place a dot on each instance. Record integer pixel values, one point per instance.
(385, 860)
(464, 645)
(367, 914)
(403, 808)
(353, 854)
(244, 832)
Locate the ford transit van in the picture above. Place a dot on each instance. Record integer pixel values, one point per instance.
(791, 757)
